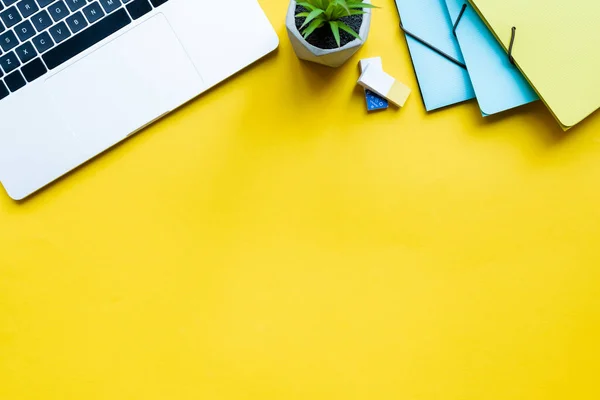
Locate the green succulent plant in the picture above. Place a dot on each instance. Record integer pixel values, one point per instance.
(328, 12)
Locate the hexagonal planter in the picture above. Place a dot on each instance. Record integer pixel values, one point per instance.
(329, 57)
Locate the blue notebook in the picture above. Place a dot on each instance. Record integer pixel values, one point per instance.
(441, 81)
(498, 84)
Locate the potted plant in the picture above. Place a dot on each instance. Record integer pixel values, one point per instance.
(328, 32)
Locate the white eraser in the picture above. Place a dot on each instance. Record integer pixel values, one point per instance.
(374, 61)
(384, 85)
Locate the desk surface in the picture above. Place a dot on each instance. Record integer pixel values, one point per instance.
(273, 241)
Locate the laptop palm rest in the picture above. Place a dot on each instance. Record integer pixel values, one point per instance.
(123, 85)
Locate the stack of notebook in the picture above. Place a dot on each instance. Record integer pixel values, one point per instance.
(506, 53)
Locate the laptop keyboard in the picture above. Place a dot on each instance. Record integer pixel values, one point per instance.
(37, 36)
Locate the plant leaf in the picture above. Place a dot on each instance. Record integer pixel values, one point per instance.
(306, 5)
(361, 5)
(346, 28)
(330, 10)
(302, 14)
(344, 5)
(313, 14)
(336, 31)
(317, 23)
(319, 4)
(339, 13)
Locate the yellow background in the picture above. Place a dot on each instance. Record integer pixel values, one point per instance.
(273, 241)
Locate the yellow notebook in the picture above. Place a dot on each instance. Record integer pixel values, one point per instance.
(556, 46)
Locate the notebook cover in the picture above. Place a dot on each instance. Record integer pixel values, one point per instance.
(441, 82)
(556, 47)
(498, 84)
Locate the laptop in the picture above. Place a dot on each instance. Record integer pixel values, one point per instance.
(79, 76)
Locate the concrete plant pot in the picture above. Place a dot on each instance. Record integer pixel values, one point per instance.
(329, 57)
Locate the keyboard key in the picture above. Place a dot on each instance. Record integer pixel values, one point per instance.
(157, 3)
(76, 22)
(44, 3)
(86, 39)
(8, 41)
(25, 31)
(9, 3)
(14, 81)
(139, 8)
(41, 20)
(27, 8)
(9, 62)
(43, 42)
(34, 70)
(26, 52)
(93, 12)
(110, 5)
(11, 17)
(58, 11)
(3, 90)
(59, 32)
(75, 5)
(1, 27)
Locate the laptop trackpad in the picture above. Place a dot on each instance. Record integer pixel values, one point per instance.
(125, 84)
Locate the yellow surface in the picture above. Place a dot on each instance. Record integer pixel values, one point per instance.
(273, 241)
(556, 46)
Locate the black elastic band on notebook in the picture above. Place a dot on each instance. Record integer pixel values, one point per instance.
(432, 47)
(510, 46)
(460, 15)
